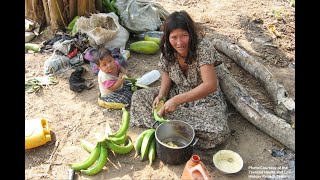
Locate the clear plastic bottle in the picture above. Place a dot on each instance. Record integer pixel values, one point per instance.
(149, 77)
(195, 169)
(37, 133)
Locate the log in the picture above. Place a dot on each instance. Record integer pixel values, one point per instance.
(284, 105)
(255, 113)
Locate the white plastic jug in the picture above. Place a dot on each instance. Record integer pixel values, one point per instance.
(149, 77)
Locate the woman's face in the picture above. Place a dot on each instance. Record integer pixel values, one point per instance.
(179, 39)
(107, 64)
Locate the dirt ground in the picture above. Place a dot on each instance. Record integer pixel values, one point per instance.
(74, 116)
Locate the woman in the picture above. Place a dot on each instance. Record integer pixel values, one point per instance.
(188, 84)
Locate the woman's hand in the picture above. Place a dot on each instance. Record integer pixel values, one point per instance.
(155, 102)
(168, 107)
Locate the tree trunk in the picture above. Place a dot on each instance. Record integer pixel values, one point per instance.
(274, 126)
(57, 20)
(98, 4)
(85, 7)
(285, 106)
(46, 11)
(72, 9)
(34, 11)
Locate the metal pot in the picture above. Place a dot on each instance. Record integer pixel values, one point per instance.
(174, 142)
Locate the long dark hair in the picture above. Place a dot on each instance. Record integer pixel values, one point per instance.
(179, 20)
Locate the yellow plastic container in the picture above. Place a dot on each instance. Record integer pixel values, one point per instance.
(37, 133)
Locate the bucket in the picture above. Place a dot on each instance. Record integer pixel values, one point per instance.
(174, 142)
(195, 169)
(37, 133)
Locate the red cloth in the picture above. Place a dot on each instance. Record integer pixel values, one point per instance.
(73, 53)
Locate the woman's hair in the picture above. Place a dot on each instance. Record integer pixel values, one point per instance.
(179, 20)
(100, 53)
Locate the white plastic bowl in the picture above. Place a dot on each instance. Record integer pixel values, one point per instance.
(228, 161)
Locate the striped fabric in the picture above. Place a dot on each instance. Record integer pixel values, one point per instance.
(122, 95)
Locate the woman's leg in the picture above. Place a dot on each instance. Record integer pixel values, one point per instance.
(209, 122)
(141, 107)
(211, 128)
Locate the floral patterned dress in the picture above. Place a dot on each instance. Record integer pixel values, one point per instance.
(207, 115)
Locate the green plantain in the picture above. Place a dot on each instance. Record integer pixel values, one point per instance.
(152, 151)
(120, 149)
(146, 143)
(124, 124)
(89, 161)
(138, 143)
(101, 162)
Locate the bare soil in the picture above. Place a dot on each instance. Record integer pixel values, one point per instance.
(74, 116)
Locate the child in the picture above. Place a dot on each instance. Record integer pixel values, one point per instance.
(111, 80)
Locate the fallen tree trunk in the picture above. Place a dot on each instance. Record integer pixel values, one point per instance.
(285, 106)
(248, 107)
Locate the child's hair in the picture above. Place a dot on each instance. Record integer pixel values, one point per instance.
(100, 54)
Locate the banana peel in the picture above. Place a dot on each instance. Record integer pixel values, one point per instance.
(134, 84)
(34, 84)
(156, 110)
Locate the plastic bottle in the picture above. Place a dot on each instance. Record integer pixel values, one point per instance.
(149, 77)
(37, 133)
(195, 169)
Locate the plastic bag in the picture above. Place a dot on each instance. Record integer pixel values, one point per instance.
(58, 63)
(101, 27)
(141, 15)
(119, 41)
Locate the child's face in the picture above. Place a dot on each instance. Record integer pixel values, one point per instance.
(107, 64)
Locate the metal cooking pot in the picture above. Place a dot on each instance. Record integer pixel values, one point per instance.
(179, 133)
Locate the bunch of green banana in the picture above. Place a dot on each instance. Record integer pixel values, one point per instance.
(94, 162)
(117, 142)
(145, 145)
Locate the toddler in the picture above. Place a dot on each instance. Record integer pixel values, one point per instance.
(111, 80)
